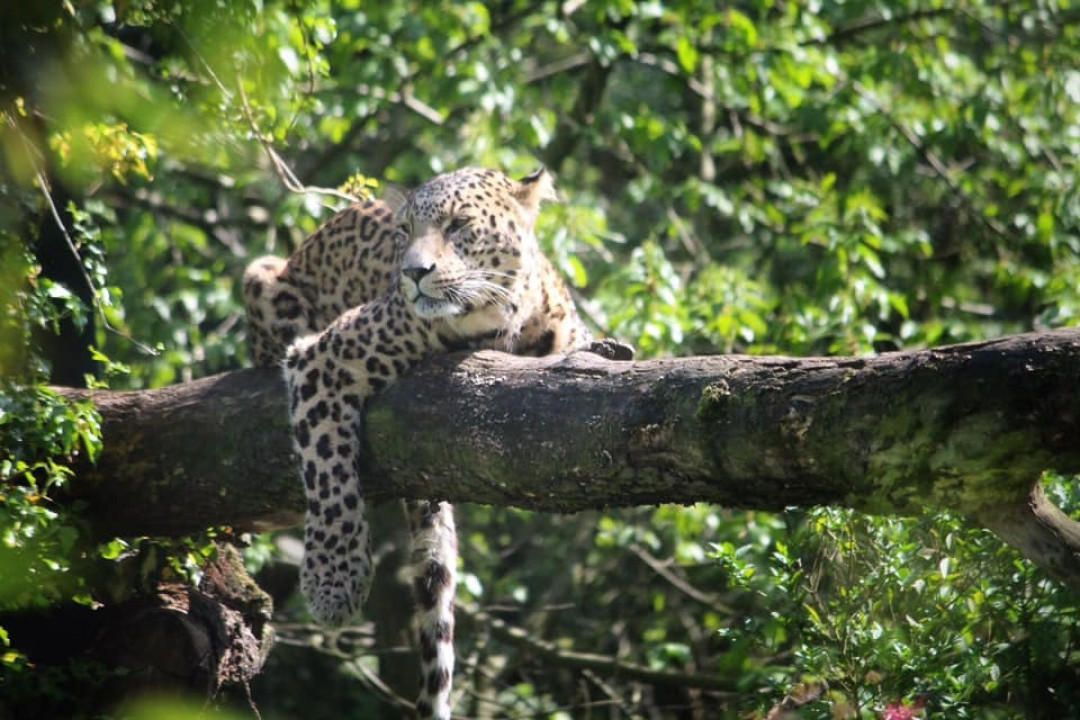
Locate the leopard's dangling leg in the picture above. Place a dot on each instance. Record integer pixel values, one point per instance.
(329, 376)
(325, 409)
(434, 562)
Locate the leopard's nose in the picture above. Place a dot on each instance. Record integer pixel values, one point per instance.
(416, 274)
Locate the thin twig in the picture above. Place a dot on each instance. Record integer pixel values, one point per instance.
(559, 66)
(677, 582)
(670, 67)
(420, 107)
(46, 191)
(933, 162)
(251, 701)
(614, 695)
(381, 689)
(310, 74)
(606, 664)
(284, 172)
(689, 241)
(869, 24)
(209, 221)
(408, 100)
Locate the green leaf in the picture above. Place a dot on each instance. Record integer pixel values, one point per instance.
(687, 54)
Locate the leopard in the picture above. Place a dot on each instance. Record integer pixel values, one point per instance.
(451, 265)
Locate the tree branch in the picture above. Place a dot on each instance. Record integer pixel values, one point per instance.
(935, 164)
(968, 428)
(849, 32)
(594, 79)
(606, 664)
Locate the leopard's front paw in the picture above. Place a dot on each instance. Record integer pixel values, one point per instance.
(611, 349)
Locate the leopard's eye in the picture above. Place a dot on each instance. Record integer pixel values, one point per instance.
(457, 223)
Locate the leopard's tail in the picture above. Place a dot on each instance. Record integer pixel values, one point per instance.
(434, 562)
(336, 572)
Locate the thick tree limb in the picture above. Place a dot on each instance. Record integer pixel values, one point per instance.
(967, 428)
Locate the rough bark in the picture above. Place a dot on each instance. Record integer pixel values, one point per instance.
(174, 637)
(967, 428)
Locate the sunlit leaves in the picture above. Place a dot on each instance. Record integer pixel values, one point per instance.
(887, 596)
(729, 309)
(41, 434)
(112, 149)
(687, 54)
(652, 314)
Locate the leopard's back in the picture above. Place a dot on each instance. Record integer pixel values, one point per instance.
(351, 259)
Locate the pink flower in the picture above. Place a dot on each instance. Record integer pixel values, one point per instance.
(900, 710)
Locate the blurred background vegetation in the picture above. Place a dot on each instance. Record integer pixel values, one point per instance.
(847, 177)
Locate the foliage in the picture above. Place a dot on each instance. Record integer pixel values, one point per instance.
(766, 177)
(37, 542)
(40, 433)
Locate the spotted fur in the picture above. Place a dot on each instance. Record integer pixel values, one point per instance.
(452, 265)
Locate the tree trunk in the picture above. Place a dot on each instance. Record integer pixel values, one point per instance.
(174, 637)
(967, 428)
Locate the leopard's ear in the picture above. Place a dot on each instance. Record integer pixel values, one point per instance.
(533, 189)
(395, 196)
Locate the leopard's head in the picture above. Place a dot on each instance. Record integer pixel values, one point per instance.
(467, 244)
